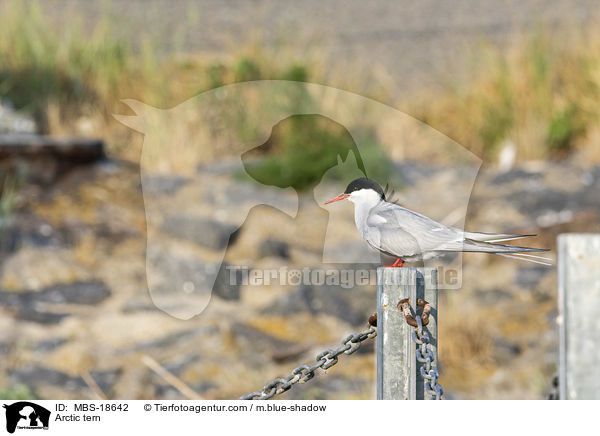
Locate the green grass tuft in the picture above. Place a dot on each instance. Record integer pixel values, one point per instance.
(303, 147)
(17, 392)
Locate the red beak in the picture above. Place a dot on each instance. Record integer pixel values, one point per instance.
(338, 198)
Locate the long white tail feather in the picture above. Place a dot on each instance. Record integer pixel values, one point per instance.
(491, 237)
(508, 239)
(536, 257)
(512, 256)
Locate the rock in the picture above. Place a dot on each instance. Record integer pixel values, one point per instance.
(291, 353)
(413, 172)
(331, 386)
(194, 277)
(504, 352)
(350, 252)
(168, 392)
(552, 218)
(26, 229)
(536, 202)
(251, 338)
(106, 379)
(255, 194)
(9, 235)
(49, 344)
(227, 287)
(30, 313)
(274, 248)
(12, 121)
(491, 297)
(157, 184)
(202, 231)
(112, 234)
(171, 339)
(68, 149)
(516, 174)
(530, 276)
(32, 268)
(88, 293)
(220, 167)
(591, 194)
(139, 303)
(32, 375)
(42, 159)
(31, 230)
(180, 363)
(27, 307)
(350, 305)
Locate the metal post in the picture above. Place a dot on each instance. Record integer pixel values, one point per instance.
(579, 315)
(398, 376)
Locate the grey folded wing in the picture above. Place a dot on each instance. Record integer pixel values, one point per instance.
(404, 233)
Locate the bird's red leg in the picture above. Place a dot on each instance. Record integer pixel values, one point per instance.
(399, 262)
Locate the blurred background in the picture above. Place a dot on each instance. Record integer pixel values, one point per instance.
(517, 83)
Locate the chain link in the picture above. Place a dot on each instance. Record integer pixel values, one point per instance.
(328, 358)
(304, 373)
(425, 356)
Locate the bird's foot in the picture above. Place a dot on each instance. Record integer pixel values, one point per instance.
(399, 262)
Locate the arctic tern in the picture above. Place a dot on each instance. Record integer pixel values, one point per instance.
(410, 236)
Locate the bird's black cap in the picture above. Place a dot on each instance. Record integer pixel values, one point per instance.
(364, 183)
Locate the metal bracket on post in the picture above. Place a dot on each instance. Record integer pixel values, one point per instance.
(399, 291)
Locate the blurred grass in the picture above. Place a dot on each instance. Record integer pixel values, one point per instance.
(543, 95)
(302, 148)
(72, 78)
(40, 66)
(16, 392)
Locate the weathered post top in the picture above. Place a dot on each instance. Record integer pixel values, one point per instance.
(398, 376)
(579, 315)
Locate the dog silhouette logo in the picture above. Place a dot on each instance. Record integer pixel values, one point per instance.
(250, 145)
(26, 415)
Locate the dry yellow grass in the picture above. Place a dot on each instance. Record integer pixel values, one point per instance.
(466, 348)
(542, 94)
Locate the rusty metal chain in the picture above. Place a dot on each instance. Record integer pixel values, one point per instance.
(304, 373)
(428, 368)
(424, 351)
